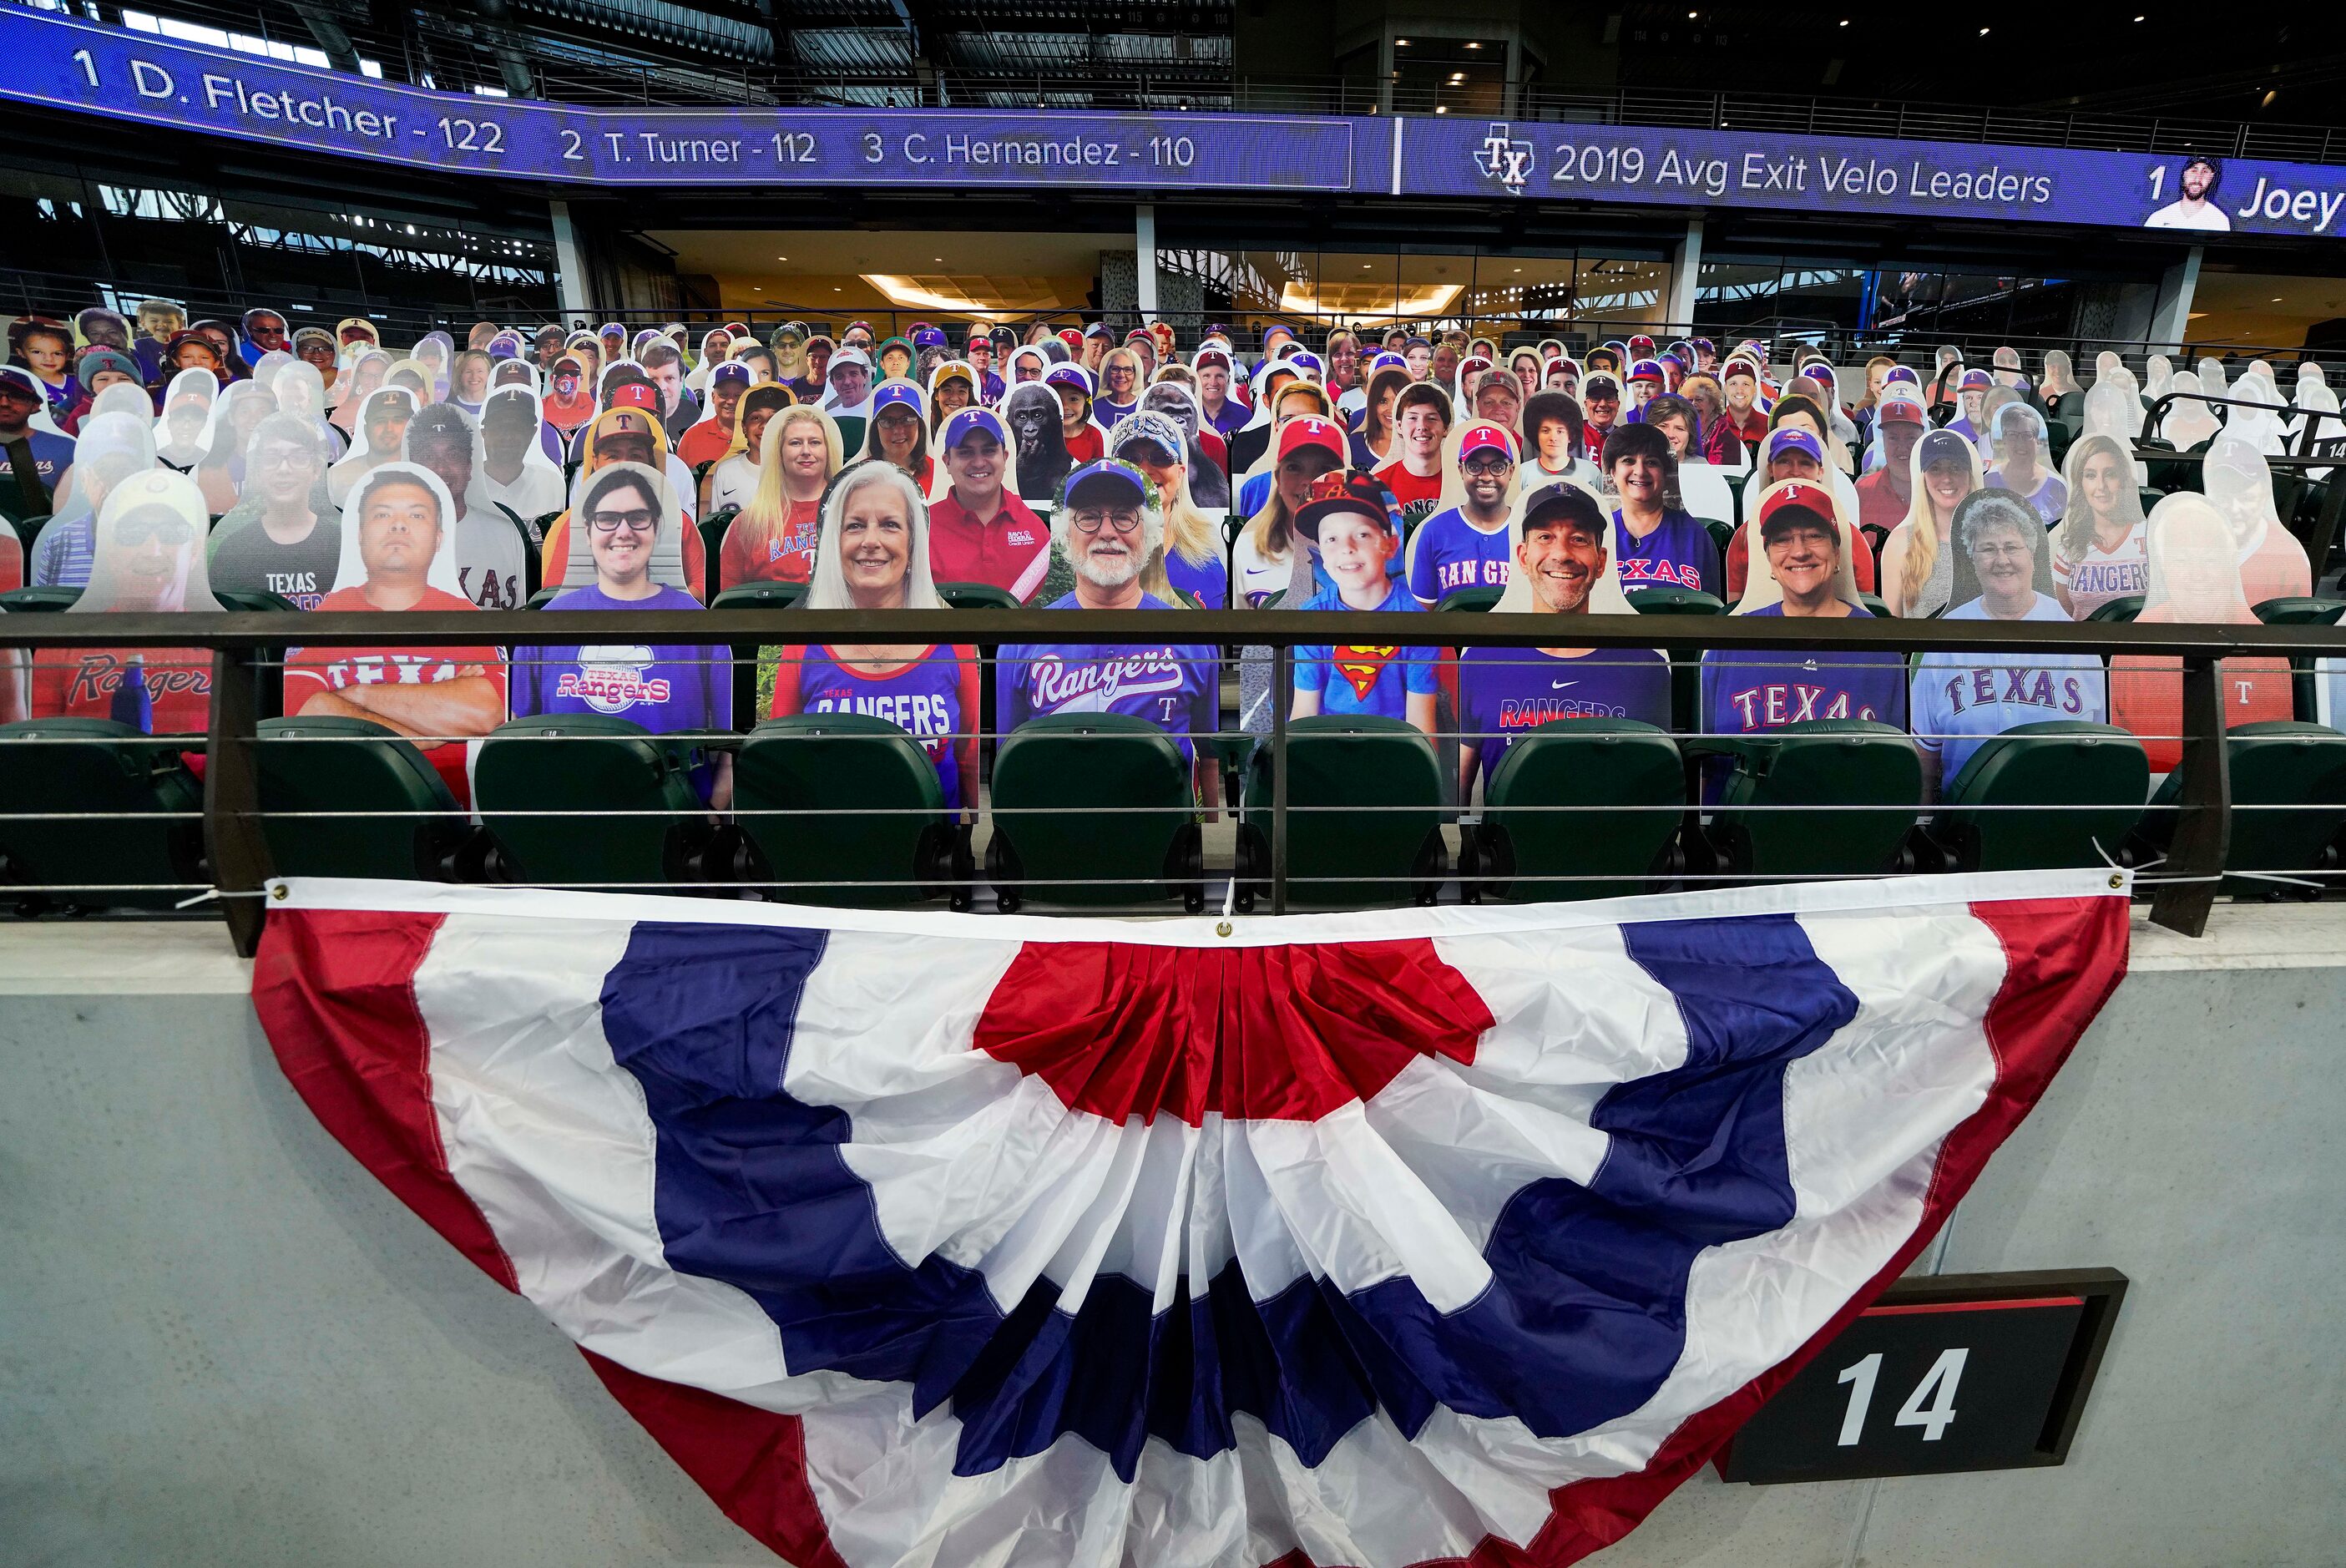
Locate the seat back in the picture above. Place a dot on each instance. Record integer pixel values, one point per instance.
(590, 799)
(760, 596)
(2087, 783)
(1668, 599)
(254, 601)
(1092, 809)
(36, 601)
(1613, 789)
(1858, 785)
(866, 822)
(2305, 701)
(1707, 493)
(977, 597)
(2124, 607)
(1364, 801)
(1479, 597)
(102, 808)
(1685, 664)
(2297, 612)
(348, 797)
(712, 547)
(2288, 795)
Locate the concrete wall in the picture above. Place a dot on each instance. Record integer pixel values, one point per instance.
(222, 1343)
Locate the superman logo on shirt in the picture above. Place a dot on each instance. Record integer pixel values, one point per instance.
(1362, 666)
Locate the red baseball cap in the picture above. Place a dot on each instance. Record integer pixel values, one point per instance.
(1486, 438)
(1797, 495)
(635, 395)
(1310, 430)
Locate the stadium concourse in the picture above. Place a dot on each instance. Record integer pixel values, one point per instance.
(167, 466)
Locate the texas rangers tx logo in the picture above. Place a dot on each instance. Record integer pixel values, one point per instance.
(1505, 160)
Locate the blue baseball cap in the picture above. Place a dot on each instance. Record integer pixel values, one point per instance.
(1901, 375)
(1106, 474)
(1979, 379)
(1069, 375)
(890, 396)
(1305, 358)
(730, 371)
(967, 421)
(1784, 439)
(928, 338)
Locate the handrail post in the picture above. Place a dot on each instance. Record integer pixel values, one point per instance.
(234, 845)
(2333, 498)
(1283, 688)
(2196, 856)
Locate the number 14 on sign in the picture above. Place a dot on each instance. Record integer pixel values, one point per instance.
(1931, 1405)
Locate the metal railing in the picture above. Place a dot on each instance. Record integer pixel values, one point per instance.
(242, 646)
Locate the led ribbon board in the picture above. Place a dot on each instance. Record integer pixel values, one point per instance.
(72, 64)
(2174, 193)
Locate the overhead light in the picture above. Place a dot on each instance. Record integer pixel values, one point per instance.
(1423, 299)
(2138, 19)
(1518, 269)
(757, 288)
(1457, 76)
(1474, 46)
(1983, 32)
(1844, 21)
(1689, 16)
(1441, 108)
(781, 258)
(2276, 299)
(1401, 43)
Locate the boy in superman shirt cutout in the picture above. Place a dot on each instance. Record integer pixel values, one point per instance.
(1350, 525)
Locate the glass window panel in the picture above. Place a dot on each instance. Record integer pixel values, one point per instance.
(1432, 289)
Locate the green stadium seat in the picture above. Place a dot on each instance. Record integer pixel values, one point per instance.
(1663, 599)
(2297, 612)
(2124, 607)
(1875, 606)
(1685, 664)
(712, 546)
(1053, 840)
(760, 596)
(1475, 598)
(590, 768)
(533, 563)
(977, 597)
(357, 765)
(28, 529)
(254, 601)
(545, 596)
(1858, 785)
(866, 814)
(1337, 853)
(19, 601)
(100, 807)
(38, 601)
(2089, 780)
(1627, 784)
(2289, 801)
